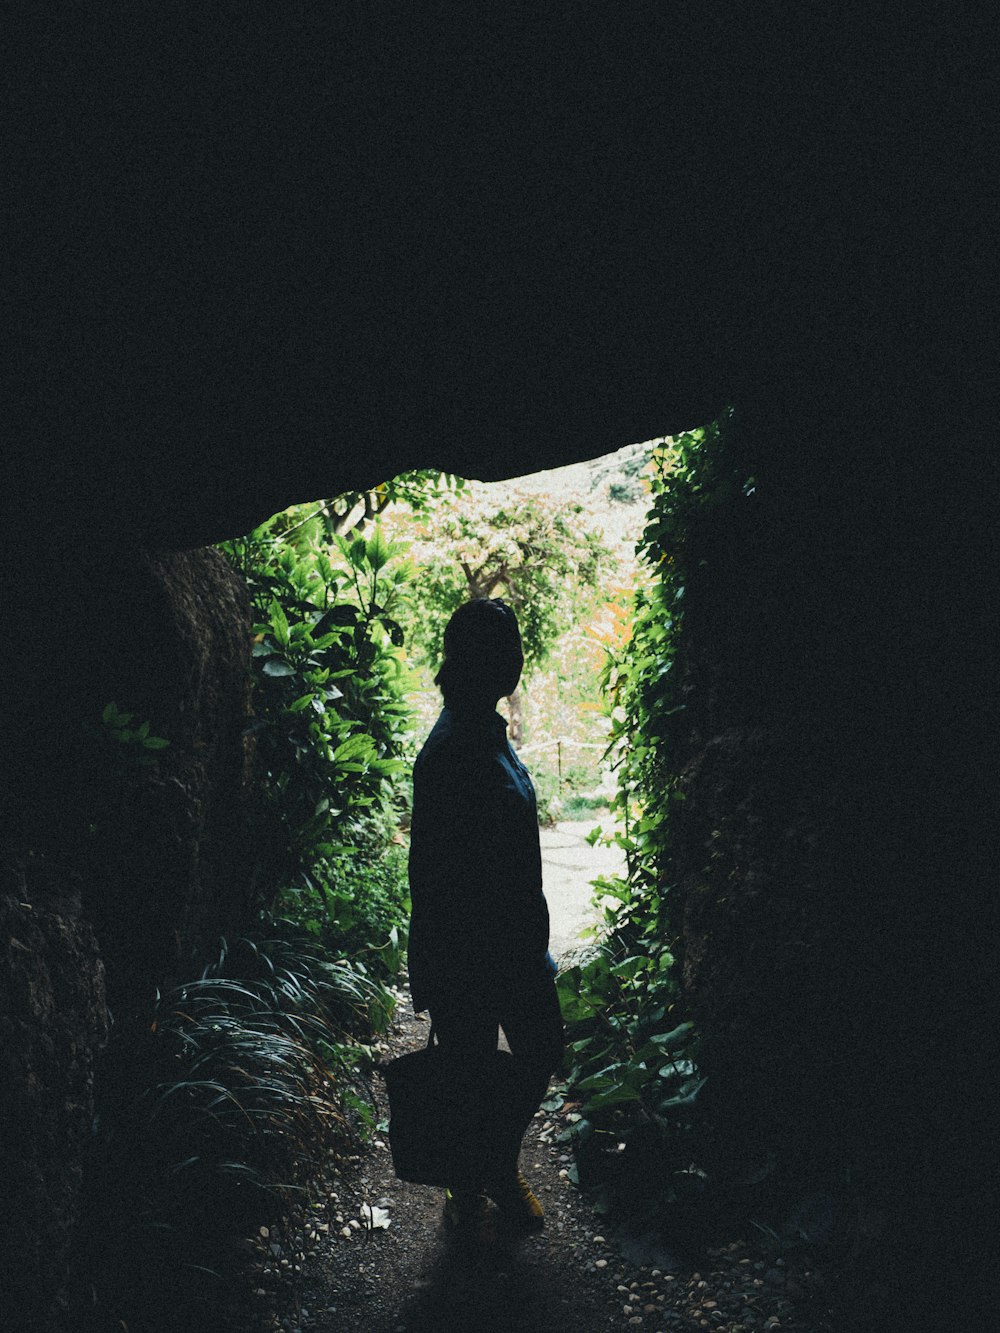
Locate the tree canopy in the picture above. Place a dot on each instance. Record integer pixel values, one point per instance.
(541, 556)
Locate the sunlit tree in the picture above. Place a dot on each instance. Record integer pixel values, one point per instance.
(542, 556)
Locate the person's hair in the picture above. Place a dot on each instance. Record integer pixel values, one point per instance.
(483, 656)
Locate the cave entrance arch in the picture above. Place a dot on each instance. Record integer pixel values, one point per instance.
(559, 544)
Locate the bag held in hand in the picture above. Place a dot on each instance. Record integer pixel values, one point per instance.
(448, 1125)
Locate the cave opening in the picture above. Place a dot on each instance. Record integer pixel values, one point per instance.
(825, 785)
(259, 261)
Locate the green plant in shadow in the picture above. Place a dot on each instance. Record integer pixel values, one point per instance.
(632, 1048)
(126, 743)
(236, 1100)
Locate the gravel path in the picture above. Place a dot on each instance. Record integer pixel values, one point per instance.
(376, 1257)
(569, 863)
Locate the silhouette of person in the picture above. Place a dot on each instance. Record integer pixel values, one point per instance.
(478, 950)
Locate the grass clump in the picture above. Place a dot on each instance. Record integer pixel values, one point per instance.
(241, 1100)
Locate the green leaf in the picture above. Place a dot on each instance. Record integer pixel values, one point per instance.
(614, 1097)
(357, 552)
(376, 550)
(113, 718)
(339, 616)
(604, 1078)
(574, 1008)
(682, 1100)
(583, 1043)
(277, 666)
(279, 624)
(358, 746)
(630, 967)
(677, 1069)
(155, 742)
(395, 631)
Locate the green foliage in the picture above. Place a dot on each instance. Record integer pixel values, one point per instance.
(127, 743)
(359, 908)
(351, 511)
(331, 729)
(632, 1048)
(578, 804)
(331, 717)
(568, 794)
(122, 756)
(119, 748)
(620, 1005)
(543, 557)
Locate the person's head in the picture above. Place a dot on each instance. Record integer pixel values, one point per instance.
(483, 657)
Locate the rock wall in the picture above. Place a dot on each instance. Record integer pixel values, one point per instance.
(174, 860)
(835, 850)
(162, 838)
(53, 1023)
(134, 868)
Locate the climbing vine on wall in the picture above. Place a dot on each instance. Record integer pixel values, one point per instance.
(633, 1049)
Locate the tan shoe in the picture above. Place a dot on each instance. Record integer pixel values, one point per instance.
(519, 1208)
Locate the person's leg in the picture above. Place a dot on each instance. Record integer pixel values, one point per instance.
(467, 1032)
(532, 1023)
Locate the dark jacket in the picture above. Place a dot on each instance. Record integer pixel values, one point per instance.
(479, 918)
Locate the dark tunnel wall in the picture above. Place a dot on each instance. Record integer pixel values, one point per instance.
(260, 259)
(836, 852)
(117, 880)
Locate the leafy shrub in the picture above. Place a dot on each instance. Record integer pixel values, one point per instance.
(331, 717)
(358, 910)
(252, 1075)
(331, 728)
(633, 1050)
(579, 804)
(125, 743)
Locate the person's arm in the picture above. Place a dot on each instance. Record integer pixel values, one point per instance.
(441, 945)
